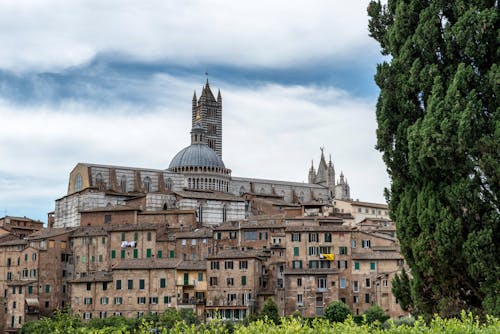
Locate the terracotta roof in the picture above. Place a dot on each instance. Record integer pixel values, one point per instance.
(202, 232)
(209, 195)
(49, 233)
(100, 276)
(152, 263)
(257, 222)
(307, 271)
(133, 227)
(84, 231)
(321, 228)
(111, 208)
(13, 242)
(192, 265)
(377, 255)
(238, 254)
(21, 282)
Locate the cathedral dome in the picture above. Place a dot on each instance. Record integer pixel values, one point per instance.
(196, 155)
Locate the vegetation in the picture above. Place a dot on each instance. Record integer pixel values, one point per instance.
(402, 290)
(337, 311)
(439, 131)
(270, 311)
(67, 324)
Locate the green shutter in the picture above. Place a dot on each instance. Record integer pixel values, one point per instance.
(243, 280)
(113, 254)
(122, 253)
(163, 282)
(200, 277)
(160, 254)
(148, 252)
(186, 278)
(295, 251)
(356, 265)
(172, 254)
(372, 265)
(136, 253)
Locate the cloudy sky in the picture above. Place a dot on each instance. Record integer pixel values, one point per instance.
(111, 82)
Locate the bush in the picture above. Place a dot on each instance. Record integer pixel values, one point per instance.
(374, 313)
(337, 311)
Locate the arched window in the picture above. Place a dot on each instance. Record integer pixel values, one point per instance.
(242, 190)
(98, 178)
(199, 213)
(78, 182)
(147, 183)
(123, 183)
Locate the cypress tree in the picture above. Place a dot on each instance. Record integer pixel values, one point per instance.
(439, 132)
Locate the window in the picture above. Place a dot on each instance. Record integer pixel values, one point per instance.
(299, 300)
(243, 264)
(262, 235)
(89, 286)
(47, 288)
(103, 314)
(118, 284)
(87, 315)
(314, 250)
(321, 282)
(153, 300)
(385, 283)
(232, 235)
(356, 265)
(163, 282)
(213, 281)
(78, 182)
(341, 264)
(313, 264)
(123, 183)
(87, 300)
(228, 265)
(147, 183)
(168, 184)
(343, 250)
(313, 237)
(299, 281)
(353, 243)
(113, 254)
(200, 277)
(355, 286)
(104, 300)
(373, 265)
(230, 281)
(295, 251)
(296, 236)
(130, 284)
(148, 236)
(355, 299)
(136, 253)
(171, 254)
(183, 242)
(251, 235)
(141, 300)
(297, 264)
(84, 259)
(107, 219)
(148, 252)
(30, 290)
(365, 243)
(367, 298)
(243, 280)
(166, 299)
(122, 254)
(193, 242)
(328, 237)
(214, 265)
(368, 283)
(123, 236)
(100, 258)
(104, 286)
(342, 282)
(118, 300)
(160, 254)
(141, 284)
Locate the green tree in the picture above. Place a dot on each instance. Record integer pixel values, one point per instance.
(337, 311)
(402, 290)
(170, 317)
(374, 313)
(439, 131)
(270, 310)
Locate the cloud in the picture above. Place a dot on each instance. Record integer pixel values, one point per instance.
(54, 35)
(270, 131)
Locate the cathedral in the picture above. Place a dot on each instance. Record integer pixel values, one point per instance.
(196, 179)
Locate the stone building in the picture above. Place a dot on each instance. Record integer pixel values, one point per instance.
(196, 179)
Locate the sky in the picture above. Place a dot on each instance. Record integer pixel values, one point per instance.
(111, 82)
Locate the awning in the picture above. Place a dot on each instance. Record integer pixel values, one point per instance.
(32, 302)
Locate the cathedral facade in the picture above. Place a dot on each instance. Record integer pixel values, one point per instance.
(196, 179)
